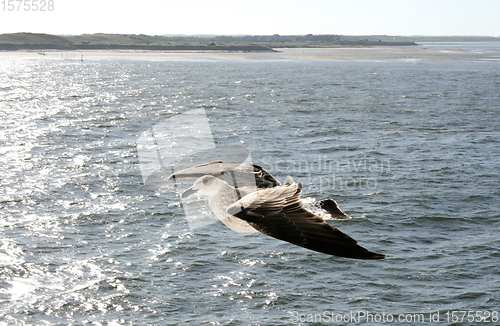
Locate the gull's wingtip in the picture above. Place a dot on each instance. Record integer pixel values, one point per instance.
(363, 253)
(365, 256)
(378, 256)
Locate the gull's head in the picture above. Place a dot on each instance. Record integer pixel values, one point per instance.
(206, 185)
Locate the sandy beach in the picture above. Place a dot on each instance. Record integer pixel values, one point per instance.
(437, 51)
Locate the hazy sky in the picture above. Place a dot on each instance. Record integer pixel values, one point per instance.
(285, 17)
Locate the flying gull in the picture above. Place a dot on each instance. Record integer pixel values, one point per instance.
(246, 198)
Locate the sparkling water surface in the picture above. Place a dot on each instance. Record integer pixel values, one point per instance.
(409, 148)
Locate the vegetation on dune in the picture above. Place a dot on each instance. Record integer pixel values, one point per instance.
(32, 41)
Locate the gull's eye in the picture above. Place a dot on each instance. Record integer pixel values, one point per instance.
(205, 181)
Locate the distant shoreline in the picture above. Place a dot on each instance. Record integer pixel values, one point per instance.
(214, 43)
(256, 43)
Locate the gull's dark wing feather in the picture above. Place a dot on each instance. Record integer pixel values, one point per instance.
(277, 212)
(235, 174)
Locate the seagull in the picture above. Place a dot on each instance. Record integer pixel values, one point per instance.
(262, 204)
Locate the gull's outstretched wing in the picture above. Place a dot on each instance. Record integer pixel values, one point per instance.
(235, 174)
(277, 212)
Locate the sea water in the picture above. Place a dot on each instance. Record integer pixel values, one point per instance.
(410, 149)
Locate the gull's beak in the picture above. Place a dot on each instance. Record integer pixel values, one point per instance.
(188, 192)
